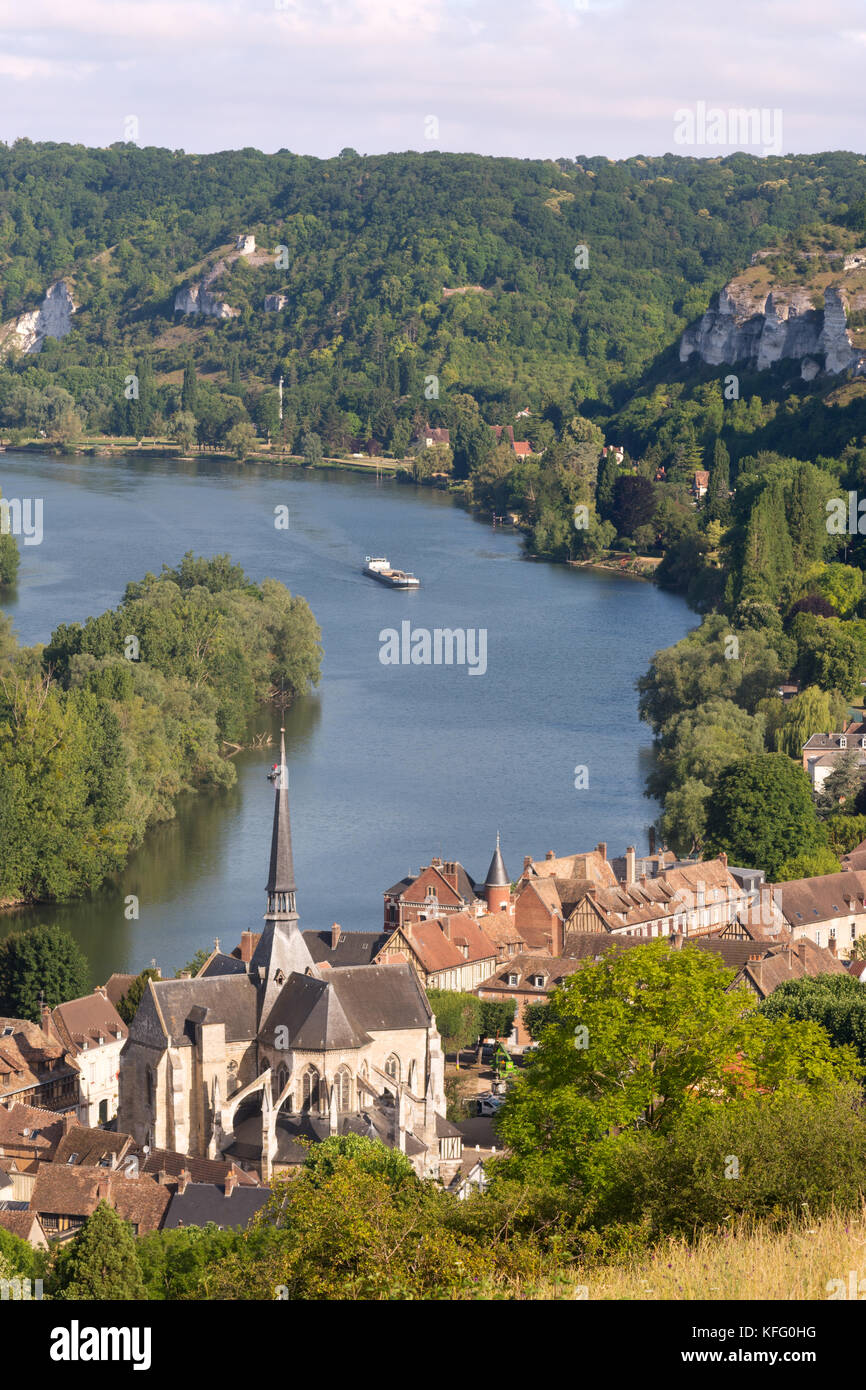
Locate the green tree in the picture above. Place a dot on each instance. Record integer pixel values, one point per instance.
(101, 1263)
(9, 557)
(44, 962)
(241, 440)
(817, 862)
(759, 808)
(128, 1003)
(836, 1002)
(458, 1017)
(637, 1040)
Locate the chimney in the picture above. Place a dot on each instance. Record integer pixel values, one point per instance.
(629, 866)
(445, 926)
(723, 859)
(601, 848)
(642, 880)
(183, 975)
(163, 1178)
(183, 1181)
(248, 946)
(335, 935)
(831, 945)
(231, 1182)
(557, 940)
(527, 860)
(550, 854)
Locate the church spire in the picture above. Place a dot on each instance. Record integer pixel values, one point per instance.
(281, 950)
(281, 878)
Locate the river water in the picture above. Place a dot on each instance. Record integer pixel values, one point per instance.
(388, 764)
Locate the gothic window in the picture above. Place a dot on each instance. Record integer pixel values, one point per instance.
(343, 1088)
(412, 1077)
(280, 1081)
(310, 1089)
(392, 1067)
(149, 1084)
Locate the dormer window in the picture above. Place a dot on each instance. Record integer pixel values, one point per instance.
(843, 742)
(537, 981)
(514, 979)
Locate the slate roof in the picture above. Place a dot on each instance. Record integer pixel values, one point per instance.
(314, 1015)
(496, 874)
(382, 997)
(281, 874)
(202, 1202)
(221, 963)
(228, 999)
(353, 947)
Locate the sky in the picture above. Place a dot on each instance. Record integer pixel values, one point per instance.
(526, 78)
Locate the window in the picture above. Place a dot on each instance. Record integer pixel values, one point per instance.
(148, 1081)
(843, 742)
(310, 1089)
(343, 1088)
(514, 979)
(392, 1067)
(537, 981)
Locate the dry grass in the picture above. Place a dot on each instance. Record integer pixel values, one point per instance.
(748, 1263)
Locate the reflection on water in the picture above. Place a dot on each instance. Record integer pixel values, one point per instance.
(388, 765)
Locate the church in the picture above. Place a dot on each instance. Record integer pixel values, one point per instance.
(251, 1058)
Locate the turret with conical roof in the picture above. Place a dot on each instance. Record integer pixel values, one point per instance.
(497, 885)
(281, 949)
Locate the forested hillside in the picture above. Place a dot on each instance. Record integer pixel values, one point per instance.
(372, 244)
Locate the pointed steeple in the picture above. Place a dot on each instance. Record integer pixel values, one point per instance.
(281, 878)
(281, 949)
(497, 885)
(496, 875)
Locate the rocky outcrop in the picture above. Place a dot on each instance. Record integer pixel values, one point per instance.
(750, 325)
(245, 245)
(197, 299)
(51, 320)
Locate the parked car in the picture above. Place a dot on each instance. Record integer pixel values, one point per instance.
(488, 1105)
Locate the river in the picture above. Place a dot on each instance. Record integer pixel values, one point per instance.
(388, 764)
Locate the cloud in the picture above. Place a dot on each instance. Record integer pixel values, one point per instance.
(520, 77)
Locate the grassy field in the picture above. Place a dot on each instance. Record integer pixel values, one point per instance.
(756, 1263)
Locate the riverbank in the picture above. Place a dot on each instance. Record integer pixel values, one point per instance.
(116, 446)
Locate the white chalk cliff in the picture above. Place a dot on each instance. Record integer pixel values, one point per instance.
(51, 320)
(761, 329)
(197, 298)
